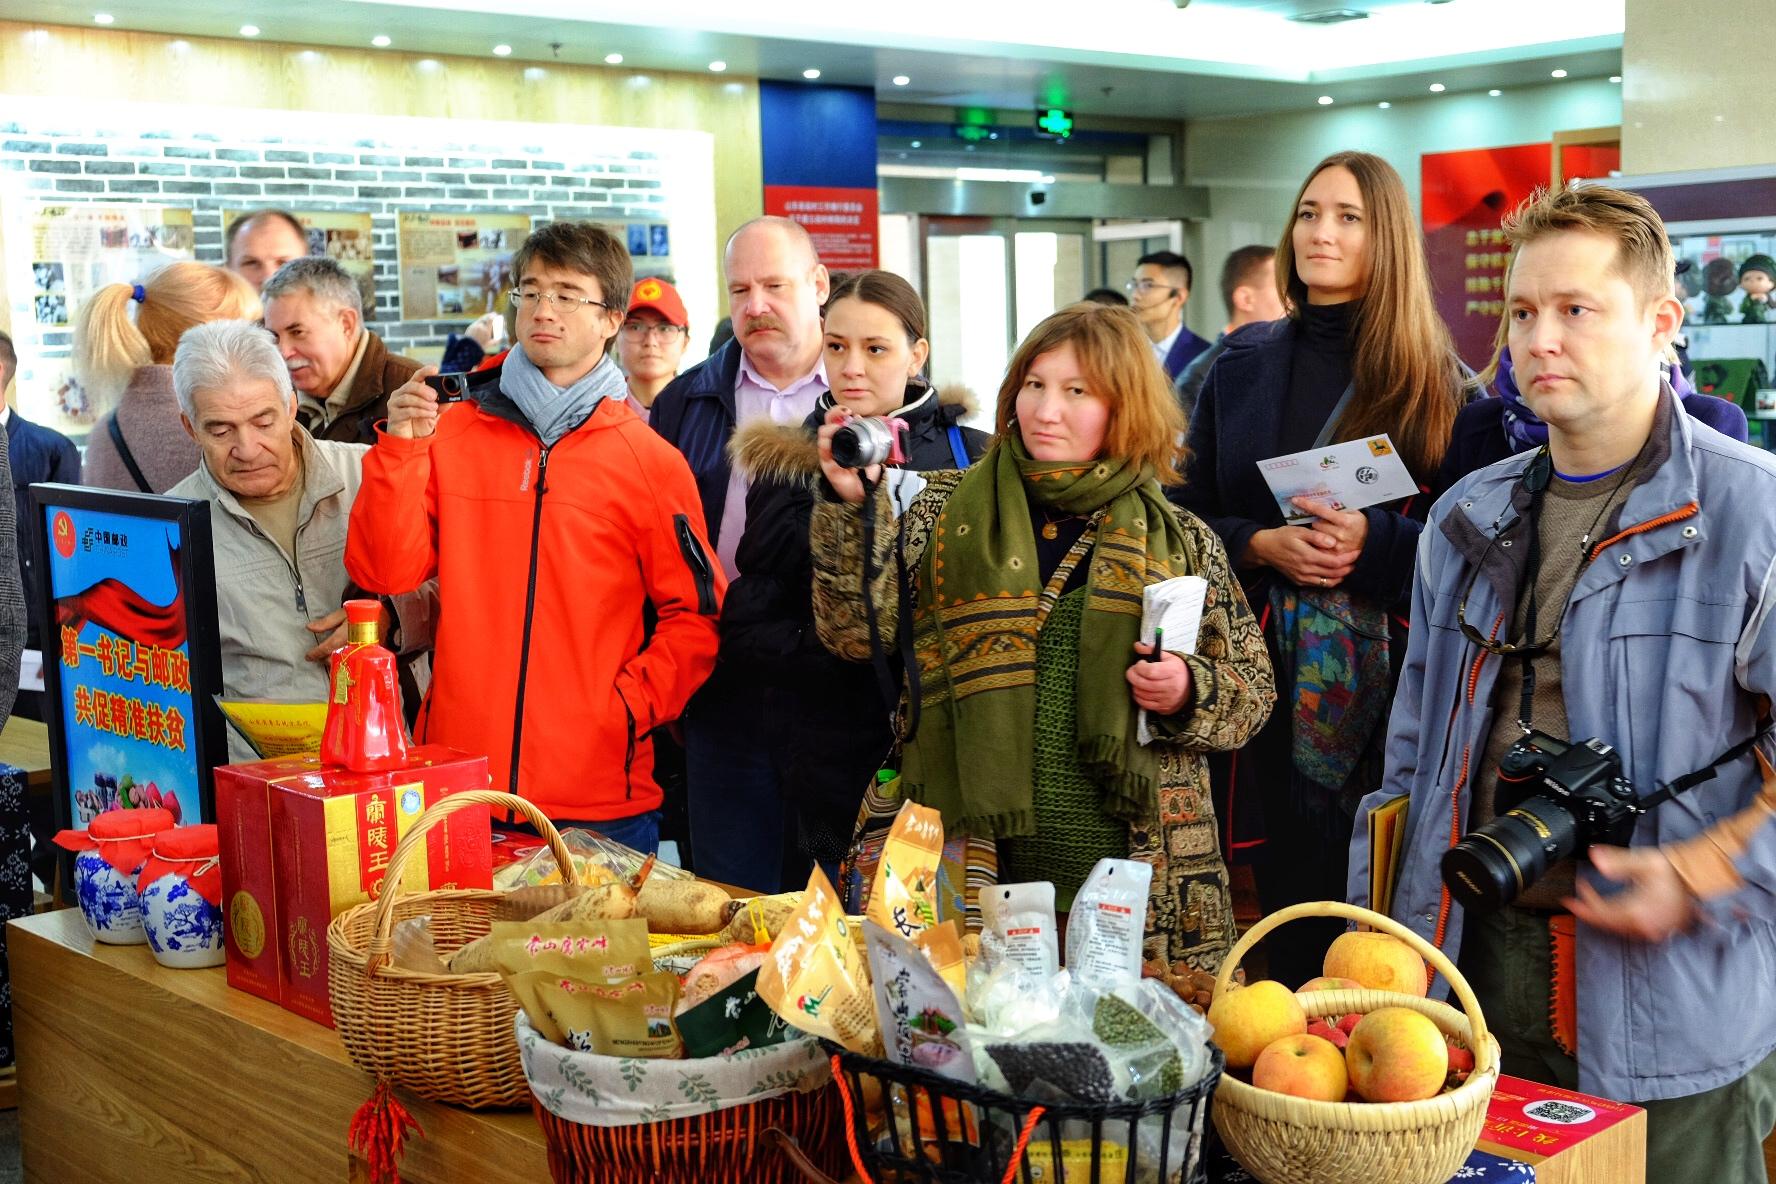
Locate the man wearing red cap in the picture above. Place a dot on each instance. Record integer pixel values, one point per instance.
(652, 341)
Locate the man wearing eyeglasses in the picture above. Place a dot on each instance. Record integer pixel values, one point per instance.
(1614, 586)
(555, 522)
(652, 341)
(1157, 295)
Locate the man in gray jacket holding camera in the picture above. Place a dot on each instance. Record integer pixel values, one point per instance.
(1615, 587)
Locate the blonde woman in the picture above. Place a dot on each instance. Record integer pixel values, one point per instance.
(123, 354)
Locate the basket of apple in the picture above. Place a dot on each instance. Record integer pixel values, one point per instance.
(1356, 1076)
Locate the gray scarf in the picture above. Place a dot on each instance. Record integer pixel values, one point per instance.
(552, 410)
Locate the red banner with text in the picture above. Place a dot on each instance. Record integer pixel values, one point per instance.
(841, 221)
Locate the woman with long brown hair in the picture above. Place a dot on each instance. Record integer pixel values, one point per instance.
(1027, 574)
(1361, 352)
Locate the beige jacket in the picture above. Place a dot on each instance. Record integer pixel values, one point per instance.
(265, 597)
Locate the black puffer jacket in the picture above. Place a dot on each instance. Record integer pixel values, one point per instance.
(834, 730)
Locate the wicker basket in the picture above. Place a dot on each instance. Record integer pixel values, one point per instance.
(1287, 1140)
(446, 1037)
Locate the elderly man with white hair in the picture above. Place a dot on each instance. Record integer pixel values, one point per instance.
(281, 503)
(343, 372)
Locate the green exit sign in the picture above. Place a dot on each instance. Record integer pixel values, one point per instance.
(1052, 121)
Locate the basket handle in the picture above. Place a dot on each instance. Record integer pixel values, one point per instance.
(380, 949)
(1350, 912)
(788, 1147)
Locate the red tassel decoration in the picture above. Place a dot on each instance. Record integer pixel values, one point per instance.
(378, 1133)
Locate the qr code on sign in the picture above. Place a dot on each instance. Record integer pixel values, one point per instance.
(1563, 1113)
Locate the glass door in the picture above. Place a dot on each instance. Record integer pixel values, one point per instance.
(987, 282)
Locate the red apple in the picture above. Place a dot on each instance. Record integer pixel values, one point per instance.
(1302, 1066)
(1397, 1055)
(1329, 984)
(1326, 1031)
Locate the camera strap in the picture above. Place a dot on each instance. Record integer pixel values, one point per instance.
(1706, 773)
(885, 680)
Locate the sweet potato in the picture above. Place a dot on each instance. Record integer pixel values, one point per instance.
(774, 910)
(683, 906)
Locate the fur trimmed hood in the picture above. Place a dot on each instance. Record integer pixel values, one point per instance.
(768, 451)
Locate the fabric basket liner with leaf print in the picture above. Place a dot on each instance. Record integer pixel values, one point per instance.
(600, 1090)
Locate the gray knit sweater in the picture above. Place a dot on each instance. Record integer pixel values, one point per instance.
(148, 413)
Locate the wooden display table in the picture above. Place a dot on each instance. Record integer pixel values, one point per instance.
(132, 1072)
(24, 743)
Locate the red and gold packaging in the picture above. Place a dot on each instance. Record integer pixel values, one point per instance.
(365, 730)
(302, 841)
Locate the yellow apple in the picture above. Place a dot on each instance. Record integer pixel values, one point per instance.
(1377, 961)
(1329, 984)
(1248, 1018)
(1396, 1054)
(1304, 1066)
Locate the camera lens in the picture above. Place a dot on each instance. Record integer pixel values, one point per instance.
(861, 443)
(1492, 865)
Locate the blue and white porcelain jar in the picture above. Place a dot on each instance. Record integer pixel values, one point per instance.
(181, 888)
(109, 859)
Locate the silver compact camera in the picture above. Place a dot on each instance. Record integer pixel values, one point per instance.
(869, 440)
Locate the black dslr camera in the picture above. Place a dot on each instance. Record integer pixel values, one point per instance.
(1554, 798)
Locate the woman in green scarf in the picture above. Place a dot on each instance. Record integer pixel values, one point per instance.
(1026, 574)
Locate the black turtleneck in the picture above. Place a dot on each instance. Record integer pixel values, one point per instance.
(1320, 370)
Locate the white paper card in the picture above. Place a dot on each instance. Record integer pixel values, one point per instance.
(1350, 476)
(1176, 606)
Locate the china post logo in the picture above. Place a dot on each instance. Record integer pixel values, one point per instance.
(62, 527)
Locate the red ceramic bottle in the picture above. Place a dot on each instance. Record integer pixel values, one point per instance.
(365, 731)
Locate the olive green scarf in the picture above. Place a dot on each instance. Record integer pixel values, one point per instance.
(974, 636)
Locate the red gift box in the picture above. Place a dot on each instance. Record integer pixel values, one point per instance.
(301, 842)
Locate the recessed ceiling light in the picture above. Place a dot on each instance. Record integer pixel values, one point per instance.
(1616, 78)
(1325, 100)
(810, 74)
(1437, 88)
(380, 41)
(249, 30)
(103, 18)
(500, 51)
(1495, 93)
(1384, 104)
(716, 67)
(1557, 73)
(901, 80)
(613, 59)
(918, 143)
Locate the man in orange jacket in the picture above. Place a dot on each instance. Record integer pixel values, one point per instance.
(554, 519)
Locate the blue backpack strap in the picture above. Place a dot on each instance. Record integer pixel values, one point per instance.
(958, 449)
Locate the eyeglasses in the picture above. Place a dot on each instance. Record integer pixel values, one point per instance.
(658, 331)
(1142, 287)
(1502, 649)
(564, 303)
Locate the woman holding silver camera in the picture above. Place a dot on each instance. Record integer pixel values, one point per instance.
(1027, 576)
(836, 723)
